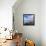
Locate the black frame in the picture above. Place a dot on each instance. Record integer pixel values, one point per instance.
(31, 23)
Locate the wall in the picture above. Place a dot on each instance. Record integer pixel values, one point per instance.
(6, 16)
(31, 7)
(43, 22)
(6, 13)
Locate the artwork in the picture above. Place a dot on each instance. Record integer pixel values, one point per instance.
(28, 19)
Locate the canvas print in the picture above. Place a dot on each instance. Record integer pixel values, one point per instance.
(28, 19)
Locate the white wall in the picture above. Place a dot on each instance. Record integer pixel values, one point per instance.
(43, 22)
(6, 13)
(29, 7)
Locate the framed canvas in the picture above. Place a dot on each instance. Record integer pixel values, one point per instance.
(28, 19)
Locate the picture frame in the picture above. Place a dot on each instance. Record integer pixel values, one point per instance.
(28, 19)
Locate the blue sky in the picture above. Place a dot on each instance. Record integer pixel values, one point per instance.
(28, 18)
